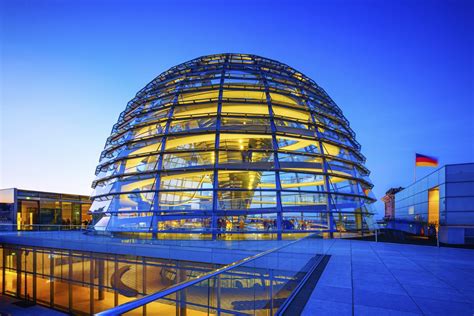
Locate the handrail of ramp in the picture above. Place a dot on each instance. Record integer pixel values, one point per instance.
(126, 307)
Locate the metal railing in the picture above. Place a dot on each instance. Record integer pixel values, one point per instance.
(272, 277)
(42, 227)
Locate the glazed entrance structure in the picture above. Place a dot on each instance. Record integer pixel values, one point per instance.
(231, 144)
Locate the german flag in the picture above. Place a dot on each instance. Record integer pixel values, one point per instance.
(426, 161)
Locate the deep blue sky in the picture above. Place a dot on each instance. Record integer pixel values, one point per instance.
(402, 72)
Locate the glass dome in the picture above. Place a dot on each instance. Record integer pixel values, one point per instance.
(231, 145)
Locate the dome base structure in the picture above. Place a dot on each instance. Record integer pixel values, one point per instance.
(231, 145)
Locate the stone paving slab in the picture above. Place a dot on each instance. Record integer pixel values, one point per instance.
(368, 278)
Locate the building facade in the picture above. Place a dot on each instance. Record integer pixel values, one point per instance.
(234, 144)
(29, 210)
(444, 198)
(389, 202)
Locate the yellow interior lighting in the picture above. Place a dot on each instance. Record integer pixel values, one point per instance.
(175, 142)
(433, 206)
(303, 170)
(282, 98)
(138, 185)
(207, 108)
(260, 109)
(133, 163)
(244, 136)
(244, 94)
(330, 149)
(193, 96)
(300, 143)
(147, 149)
(144, 130)
(291, 113)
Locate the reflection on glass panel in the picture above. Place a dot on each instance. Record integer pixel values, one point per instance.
(247, 223)
(101, 221)
(148, 130)
(302, 181)
(195, 124)
(203, 109)
(186, 200)
(109, 170)
(202, 81)
(50, 213)
(345, 186)
(85, 216)
(247, 142)
(320, 106)
(267, 180)
(230, 82)
(301, 221)
(143, 147)
(339, 152)
(100, 205)
(346, 222)
(285, 85)
(140, 164)
(128, 221)
(197, 96)
(104, 187)
(298, 144)
(260, 125)
(157, 114)
(156, 103)
(302, 199)
(343, 201)
(339, 167)
(241, 73)
(331, 135)
(66, 213)
(325, 121)
(183, 181)
(193, 142)
(242, 200)
(292, 114)
(294, 127)
(187, 224)
(188, 159)
(133, 184)
(130, 202)
(249, 180)
(245, 156)
(283, 99)
(293, 157)
(76, 212)
(10, 281)
(27, 214)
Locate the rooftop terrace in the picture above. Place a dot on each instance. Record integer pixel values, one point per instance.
(368, 278)
(361, 277)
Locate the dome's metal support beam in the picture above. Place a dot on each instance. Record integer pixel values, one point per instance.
(215, 184)
(279, 208)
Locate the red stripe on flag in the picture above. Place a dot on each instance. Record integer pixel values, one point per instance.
(425, 161)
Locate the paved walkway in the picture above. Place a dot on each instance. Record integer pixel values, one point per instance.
(368, 278)
(8, 308)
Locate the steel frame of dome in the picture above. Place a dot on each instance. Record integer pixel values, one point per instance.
(234, 144)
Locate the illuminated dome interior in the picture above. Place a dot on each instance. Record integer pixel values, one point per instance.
(231, 144)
